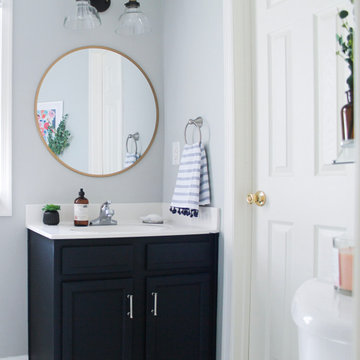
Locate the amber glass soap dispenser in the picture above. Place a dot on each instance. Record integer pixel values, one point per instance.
(81, 210)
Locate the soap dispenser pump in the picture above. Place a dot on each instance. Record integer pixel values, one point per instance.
(81, 210)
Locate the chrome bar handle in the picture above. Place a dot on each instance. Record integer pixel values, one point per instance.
(154, 310)
(130, 314)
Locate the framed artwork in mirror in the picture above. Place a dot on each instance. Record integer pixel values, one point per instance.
(49, 114)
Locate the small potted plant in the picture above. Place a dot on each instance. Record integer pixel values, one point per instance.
(346, 43)
(51, 215)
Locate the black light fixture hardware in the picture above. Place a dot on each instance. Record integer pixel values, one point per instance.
(100, 5)
(131, 4)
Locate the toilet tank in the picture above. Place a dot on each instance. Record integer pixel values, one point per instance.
(325, 322)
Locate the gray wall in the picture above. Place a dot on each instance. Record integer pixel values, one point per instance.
(191, 73)
(193, 84)
(60, 86)
(37, 178)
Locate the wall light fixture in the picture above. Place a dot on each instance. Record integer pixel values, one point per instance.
(86, 16)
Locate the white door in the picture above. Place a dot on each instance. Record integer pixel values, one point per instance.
(299, 92)
(106, 144)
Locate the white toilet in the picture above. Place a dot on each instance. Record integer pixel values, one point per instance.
(324, 320)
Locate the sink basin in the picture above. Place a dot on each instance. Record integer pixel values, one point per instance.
(120, 229)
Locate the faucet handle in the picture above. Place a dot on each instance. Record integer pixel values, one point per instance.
(105, 208)
(106, 204)
(105, 215)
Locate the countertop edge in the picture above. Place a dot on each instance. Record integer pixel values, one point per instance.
(88, 235)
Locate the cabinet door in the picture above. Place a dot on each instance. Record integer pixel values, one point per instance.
(97, 320)
(179, 318)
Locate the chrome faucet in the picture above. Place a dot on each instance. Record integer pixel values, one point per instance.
(105, 217)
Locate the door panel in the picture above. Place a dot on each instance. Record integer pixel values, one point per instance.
(96, 324)
(105, 112)
(179, 320)
(300, 89)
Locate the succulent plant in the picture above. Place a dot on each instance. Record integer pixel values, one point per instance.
(51, 207)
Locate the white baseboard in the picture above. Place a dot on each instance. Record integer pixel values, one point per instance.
(22, 357)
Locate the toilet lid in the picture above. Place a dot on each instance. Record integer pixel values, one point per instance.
(323, 312)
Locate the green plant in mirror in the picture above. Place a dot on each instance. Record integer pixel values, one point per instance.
(51, 207)
(346, 42)
(59, 138)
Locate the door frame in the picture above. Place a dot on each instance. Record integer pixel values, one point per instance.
(356, 277)
(239, 80)
(238, 22)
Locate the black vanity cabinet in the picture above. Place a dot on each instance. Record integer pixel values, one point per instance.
(181, 305)
(96, 307)
(149, 298)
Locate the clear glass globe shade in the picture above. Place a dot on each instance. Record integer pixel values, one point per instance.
(133, 22)
(85, 17)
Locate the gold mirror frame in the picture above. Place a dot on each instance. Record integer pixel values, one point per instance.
(152, 89)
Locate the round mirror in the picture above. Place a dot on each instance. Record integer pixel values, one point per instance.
(96, 111)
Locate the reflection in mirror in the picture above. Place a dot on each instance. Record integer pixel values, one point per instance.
(96, 111)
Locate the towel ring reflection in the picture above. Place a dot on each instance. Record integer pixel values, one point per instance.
(198, 122)
(135, 137)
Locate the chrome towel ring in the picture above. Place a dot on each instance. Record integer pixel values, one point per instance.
(198, 122)
(135, 137)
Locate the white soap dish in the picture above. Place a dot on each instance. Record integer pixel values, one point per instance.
(152, 219)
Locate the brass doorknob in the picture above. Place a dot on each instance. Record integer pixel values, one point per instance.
(259, 198)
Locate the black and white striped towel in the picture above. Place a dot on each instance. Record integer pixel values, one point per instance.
(192, 184)
(130, 158)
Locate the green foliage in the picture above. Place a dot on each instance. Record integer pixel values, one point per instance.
(51, 207)
(59, 139)
(346, 43)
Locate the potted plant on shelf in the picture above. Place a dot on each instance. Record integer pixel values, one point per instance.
(51, 215)
(346, 43)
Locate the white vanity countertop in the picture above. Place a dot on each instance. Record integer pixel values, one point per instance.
(129, 223)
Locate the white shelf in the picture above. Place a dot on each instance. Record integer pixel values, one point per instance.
(347, 153)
